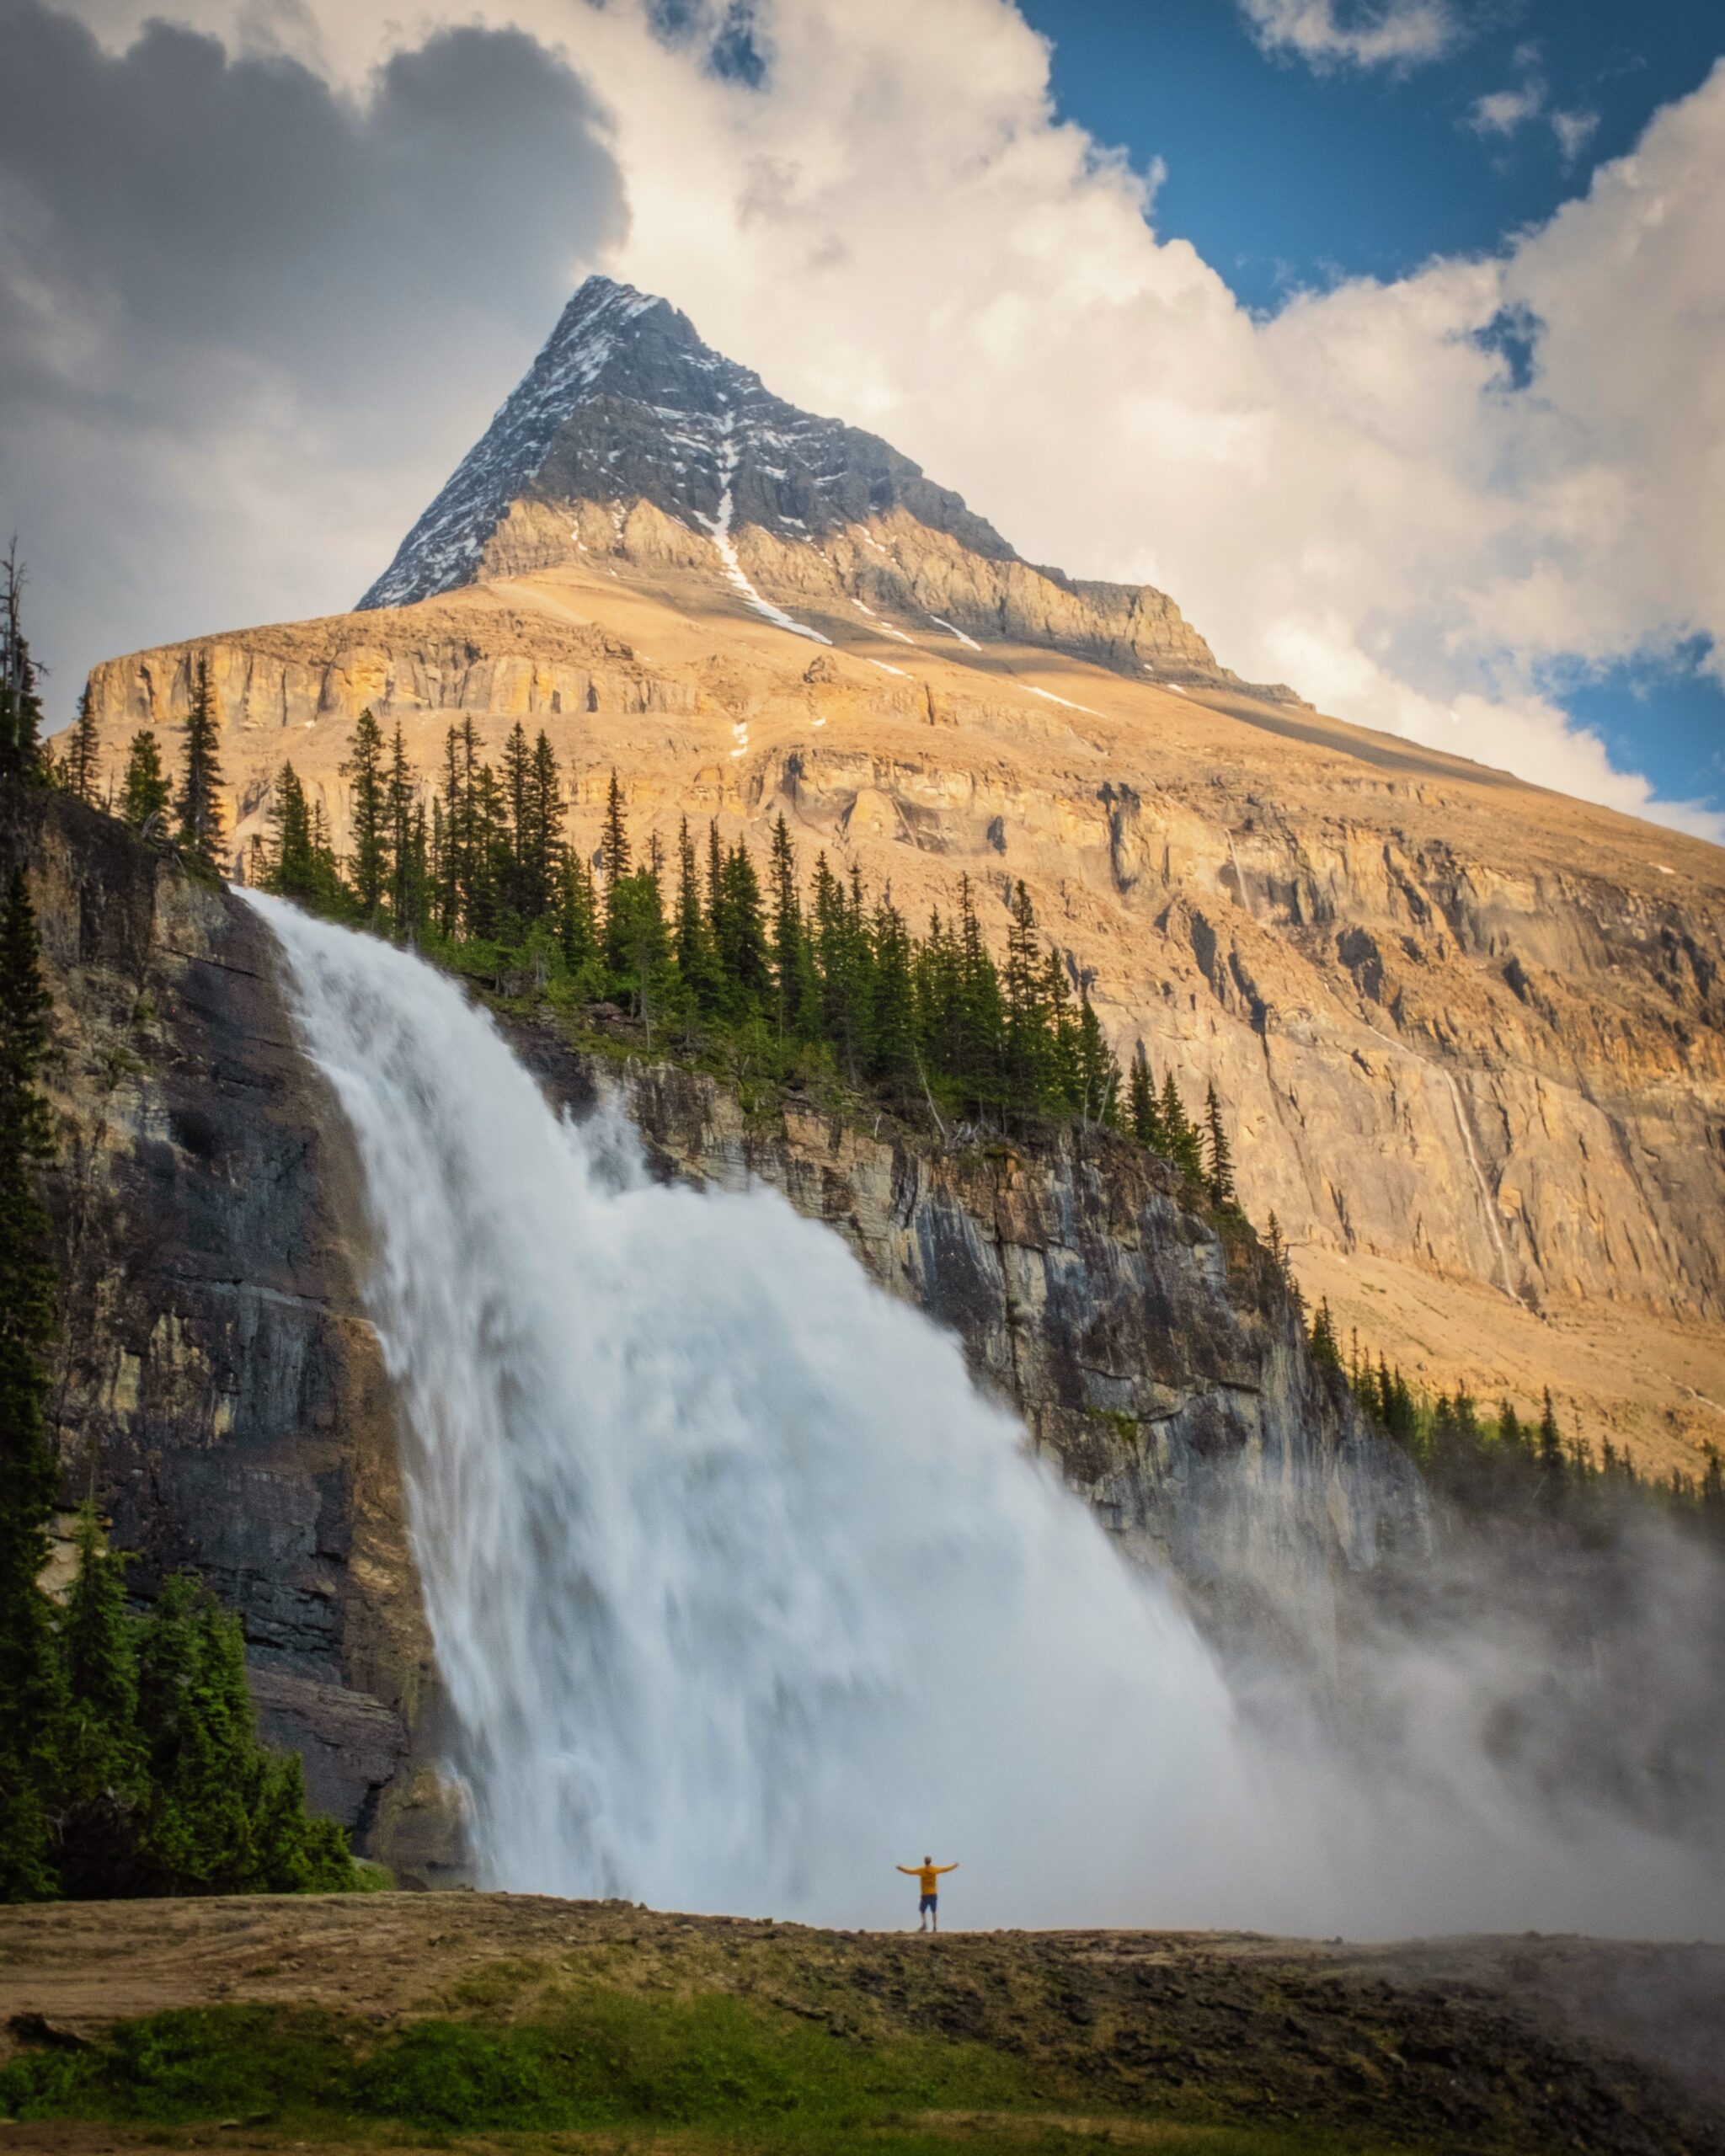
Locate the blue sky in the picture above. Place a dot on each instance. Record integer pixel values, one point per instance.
(1284, 175)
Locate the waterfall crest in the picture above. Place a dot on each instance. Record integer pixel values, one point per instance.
(741, 1594)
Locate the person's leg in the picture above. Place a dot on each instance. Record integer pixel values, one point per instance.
(933, 1913)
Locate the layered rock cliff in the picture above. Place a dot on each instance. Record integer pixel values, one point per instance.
(220, 1388)
(1470, 1035)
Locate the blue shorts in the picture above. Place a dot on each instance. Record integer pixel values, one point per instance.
(926, 1907)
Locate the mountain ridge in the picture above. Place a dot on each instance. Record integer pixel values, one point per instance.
(625, 404)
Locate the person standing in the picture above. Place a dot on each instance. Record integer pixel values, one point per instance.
(927, 1876)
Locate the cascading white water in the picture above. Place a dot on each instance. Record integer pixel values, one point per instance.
(741, 1594)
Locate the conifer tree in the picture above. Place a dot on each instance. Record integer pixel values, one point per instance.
(368, 864)
(102, 1785)
(577, 920)
(1098, 1073)
(544, 846)
(1181, 1137)
(1029, 1044)
(200, 803)
(145, 792)
(787, 936)
(84, 752)
(31, 1693)
(1548, 1446)
(1326, 1348)
(1147, 1117)
(614, 844)
(740, 933)
(892, 1027)
(1219, 1181)
(21, 758)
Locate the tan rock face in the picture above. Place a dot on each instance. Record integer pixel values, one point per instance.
(1458, 1023)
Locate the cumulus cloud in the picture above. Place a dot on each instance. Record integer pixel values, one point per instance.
(220, 280)
(1423, 502)
(1368, 33)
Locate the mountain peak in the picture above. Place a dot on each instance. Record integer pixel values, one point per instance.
(626, 402)
(627, 405)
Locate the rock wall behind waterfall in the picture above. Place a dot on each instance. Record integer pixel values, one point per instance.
(215, 1381)
(1161, 1365)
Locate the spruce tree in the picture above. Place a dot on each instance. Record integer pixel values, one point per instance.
(544, 845)
(145, 792)
(578, 922)
(892, 1029)
(1548, 1447)
(1326, 1348)
(103, 1786)
(368, 864)
(1029, 1044)
(83, 753)
(31, 1693)
(614, 843)
(1098, 1073)
(1147, 1117)
(199, 805)
(21, 758)
(1181, 1140)
(787, 935)
(1219, 1181)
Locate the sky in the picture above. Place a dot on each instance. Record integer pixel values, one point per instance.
(1383, 334)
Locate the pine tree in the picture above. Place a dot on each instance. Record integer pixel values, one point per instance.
(199, 805)
(543, 847)
(1030, 1043)
(292, 872)
(102, 1780)
(1181, 1139)
(368, 864)
(31, 1693)
(787, 935)
(614, 844)
(982, 1013)
(697, 960)
(1147, 1117)
(1548, 1447)
(145, 792)
(892, 1027)
(744, 960)
(578, 922)
(84, 752)
(1326, 1349)
(1098, 1073)
(21, 758)
(1219, 1181)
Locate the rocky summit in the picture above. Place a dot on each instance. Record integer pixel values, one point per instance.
(1470, 1034)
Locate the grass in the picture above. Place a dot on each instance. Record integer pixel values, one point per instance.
(710, 2073)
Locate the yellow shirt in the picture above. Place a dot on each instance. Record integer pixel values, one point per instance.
(927, 1875)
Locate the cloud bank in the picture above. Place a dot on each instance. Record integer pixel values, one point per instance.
(1421, 501)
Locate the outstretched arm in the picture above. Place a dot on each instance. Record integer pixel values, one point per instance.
(946, 1867)
(909, 1870)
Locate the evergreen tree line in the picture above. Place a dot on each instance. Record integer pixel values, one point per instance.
(129, 1762)
(1500, 1467)
(711, 944)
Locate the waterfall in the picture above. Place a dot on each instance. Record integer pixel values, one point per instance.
(740, 1593)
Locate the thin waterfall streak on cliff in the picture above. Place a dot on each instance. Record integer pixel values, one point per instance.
(741, 1594)
(1487, 1203)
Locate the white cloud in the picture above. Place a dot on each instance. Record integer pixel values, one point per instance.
(1574, 130)
(1353, 496)
(1368, 33)
(1501, 112)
